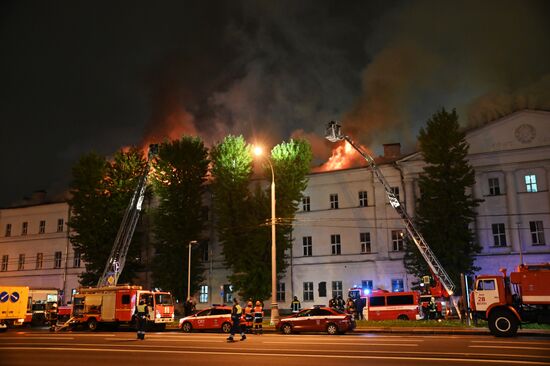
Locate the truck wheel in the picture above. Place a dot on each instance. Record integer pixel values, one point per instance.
(92, 324)
(502, 323)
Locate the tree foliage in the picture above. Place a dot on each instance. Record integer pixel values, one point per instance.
(243, 209)
(446, 207)
(178, 181)
(101, 191)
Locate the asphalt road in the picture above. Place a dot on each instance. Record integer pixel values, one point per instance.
(32, 347)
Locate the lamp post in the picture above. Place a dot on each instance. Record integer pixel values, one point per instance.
(274, 306)
(191, 243)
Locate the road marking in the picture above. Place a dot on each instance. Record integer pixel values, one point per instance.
(512, 342)
(512, 347)
(21, 338)
(256, 354)
(336, 343)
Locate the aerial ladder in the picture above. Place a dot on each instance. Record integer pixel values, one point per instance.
(117, 258)
(334, 134)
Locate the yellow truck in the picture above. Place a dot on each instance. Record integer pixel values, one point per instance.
(13, 305)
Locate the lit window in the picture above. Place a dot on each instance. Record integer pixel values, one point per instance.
(336, 247)
(336, 288)
(494, 187)
(281, 293)
(531, 183)
(308, 246)
(57, 260)
(306, 206)
(365, 242)
(24, 228)
(8, 230)
(21, 263)
(397, 285)
(363, 202)
(537, 232)
(397, 240)
(203, 294)
(334, 201)
(39, 260)
(308, 291)
(499, 235)
(5, 259)
(60, 225)
(42, 227)
(76, 258)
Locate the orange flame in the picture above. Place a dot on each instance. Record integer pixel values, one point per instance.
(344, 156)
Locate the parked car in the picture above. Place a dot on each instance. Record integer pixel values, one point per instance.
(317, 319)
(217, 317)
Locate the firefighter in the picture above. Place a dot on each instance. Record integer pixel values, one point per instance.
(142, 314)
(248, 316)
(258, 318)
(295, 305)
(432, 309)
(236, 313)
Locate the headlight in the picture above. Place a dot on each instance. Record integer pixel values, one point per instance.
(158, 315)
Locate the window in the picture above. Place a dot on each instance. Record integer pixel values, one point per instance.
(364, 238)
(5, 259)
(531, 183)
(335, 244)
(281, 293)
(400, 300)
(377, 301)
(395, 191)
(24, 228)
(397, 240)
(486, 285)
(336, 288)
(21, 263)
(494, 187)
(39, 260)
(308, 246)
(57, 260)
(42, 227)
(366, 286)
(397, 285)
(8, 230)
(334, 201)
(537, 232)
(203, 294)
(308, 291)
(125, 299)
(306, 204)
(322, 289)
(499, 235)
(76, 258)
(363, 202)
(60, 225)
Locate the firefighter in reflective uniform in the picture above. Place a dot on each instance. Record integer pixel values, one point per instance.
(248, 316)
(258, 318)
(432, 309)
(141, 317)
(295, 305)
(236, 313)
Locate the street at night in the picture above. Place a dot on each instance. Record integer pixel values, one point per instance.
(174, 348)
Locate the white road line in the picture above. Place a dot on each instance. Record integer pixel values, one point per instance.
(25, 338)
(256, 354)
(512, 342)
(340, 344)
(512, 347)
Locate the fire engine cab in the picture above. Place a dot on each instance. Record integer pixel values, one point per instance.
(116, 305)
(505, 302)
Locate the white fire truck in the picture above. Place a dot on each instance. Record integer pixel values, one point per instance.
(42, 306)
(115, 305)
(507, 301)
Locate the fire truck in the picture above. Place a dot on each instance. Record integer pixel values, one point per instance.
(115, 305)
(13, 305)
(42, 306)
(507, 301)
(446, 285)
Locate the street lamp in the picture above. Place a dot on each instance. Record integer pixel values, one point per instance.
(258, 151)
(191, 243)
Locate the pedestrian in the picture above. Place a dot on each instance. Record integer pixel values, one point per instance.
(350, 308)
(142, 314)
(341, 304)
(189, 307)
(295, 305)
(333, 303)
(359, 305)
(432, 309)
(236, 313)
(248, 316)
(258, 318)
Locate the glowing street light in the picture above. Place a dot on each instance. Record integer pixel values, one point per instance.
(258, 151)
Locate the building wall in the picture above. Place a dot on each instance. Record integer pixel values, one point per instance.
(61, 274)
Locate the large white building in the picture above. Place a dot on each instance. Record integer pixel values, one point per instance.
(346, 234)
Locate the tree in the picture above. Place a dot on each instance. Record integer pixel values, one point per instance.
(101, 191)
(243, 216)
(446, 207)
(179, 184)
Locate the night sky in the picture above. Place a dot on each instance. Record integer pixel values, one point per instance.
(81, 76)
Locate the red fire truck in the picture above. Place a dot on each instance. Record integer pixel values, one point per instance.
(507, 301)
(115, 305)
